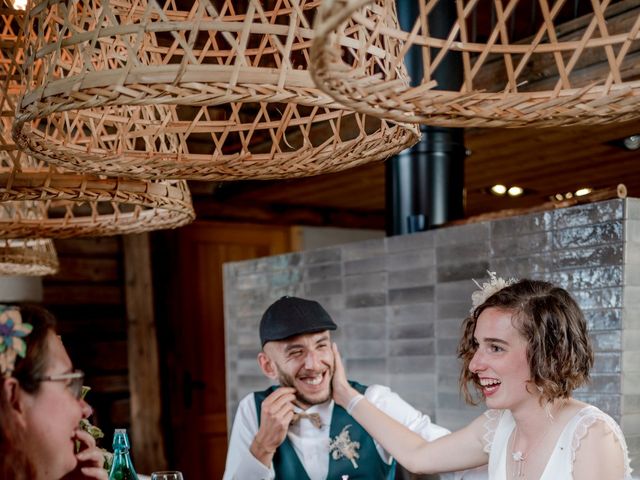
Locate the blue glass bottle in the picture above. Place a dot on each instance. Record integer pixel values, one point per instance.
(122, 467)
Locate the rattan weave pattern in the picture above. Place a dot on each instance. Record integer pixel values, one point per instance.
(28, 257)
(514, 100)
(228, 81)
(155, 142)
(40, 201)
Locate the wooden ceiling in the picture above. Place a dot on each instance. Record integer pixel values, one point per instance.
(542, 161)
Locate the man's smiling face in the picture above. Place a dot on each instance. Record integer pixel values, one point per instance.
(304, 362)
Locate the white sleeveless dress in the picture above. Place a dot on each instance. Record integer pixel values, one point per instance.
(500, 424)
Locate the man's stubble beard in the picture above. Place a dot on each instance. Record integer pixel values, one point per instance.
(287, 380)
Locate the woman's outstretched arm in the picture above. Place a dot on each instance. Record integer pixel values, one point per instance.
(458, 451)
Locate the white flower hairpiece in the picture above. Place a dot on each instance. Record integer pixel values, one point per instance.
(12, 332)
(495, 284)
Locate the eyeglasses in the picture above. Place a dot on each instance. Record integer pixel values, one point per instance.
(75, 381)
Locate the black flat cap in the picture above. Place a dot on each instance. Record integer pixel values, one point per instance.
(292, 316)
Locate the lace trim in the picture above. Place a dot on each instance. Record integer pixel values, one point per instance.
(589, 417)
(490, 427)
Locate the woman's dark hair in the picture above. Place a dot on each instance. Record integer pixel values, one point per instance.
(559, 351)
(14, 462)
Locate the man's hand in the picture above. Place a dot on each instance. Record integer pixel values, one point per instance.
(90, 459)
(275, 417)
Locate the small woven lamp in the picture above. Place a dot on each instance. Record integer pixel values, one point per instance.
(496, 90)
(38, 201)
(230, 83)
(36, 257)
(28, 257)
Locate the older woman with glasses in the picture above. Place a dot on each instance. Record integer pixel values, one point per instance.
(40, 404)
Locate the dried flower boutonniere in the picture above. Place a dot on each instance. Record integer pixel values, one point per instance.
(495, 284)
(343, 446)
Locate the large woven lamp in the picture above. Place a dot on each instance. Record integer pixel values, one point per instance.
(500, 86)
(229, 80)
(39, 201)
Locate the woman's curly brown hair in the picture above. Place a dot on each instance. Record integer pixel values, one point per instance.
(559, 351)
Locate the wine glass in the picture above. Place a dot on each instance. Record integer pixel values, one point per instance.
(167, 475)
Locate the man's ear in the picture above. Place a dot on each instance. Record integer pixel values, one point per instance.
(267, 366)
(14, 396)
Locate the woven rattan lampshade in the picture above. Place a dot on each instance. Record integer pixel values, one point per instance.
(229, 80)
(508, 95)
(36, 257)
(39, 201)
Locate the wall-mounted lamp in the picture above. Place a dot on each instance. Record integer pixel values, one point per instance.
(581, 192)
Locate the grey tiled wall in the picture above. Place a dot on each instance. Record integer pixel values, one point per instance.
(399, 302)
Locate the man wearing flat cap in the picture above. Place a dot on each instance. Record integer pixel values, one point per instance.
(295, 431)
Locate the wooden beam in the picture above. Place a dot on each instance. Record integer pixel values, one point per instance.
(82, 294)
(288, 214)
(144, 377)
(541, 72)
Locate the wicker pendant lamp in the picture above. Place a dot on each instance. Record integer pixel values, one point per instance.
(230, 82)
(498, 88)
(24, 257)
(36, 257)
(39, 201)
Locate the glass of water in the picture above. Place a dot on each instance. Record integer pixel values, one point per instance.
(168, 475)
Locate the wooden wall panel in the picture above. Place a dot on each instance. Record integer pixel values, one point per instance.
(87, 298)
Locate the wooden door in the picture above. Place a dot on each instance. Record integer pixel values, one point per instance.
(196, 366)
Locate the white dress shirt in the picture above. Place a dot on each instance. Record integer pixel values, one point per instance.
(311, 444)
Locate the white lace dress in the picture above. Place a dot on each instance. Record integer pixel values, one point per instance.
(500, 424)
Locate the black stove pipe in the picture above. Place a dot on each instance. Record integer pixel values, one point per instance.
(425, 183)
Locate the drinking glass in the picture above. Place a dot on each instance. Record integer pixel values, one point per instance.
(168, 475)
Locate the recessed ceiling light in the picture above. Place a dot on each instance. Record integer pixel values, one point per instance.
(583, 191)
(498, 189)
(515, 191)
(632, 142)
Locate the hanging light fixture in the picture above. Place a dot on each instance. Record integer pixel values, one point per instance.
(39, 201)
(30, 257)
(230, 82)
(510, 99)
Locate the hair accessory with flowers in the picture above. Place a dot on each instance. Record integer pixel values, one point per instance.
(495, 284)
(12, 333)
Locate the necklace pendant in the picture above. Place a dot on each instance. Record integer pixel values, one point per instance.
(518, 459)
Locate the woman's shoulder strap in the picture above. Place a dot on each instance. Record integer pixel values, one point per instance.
(492, 420)
(587, 418)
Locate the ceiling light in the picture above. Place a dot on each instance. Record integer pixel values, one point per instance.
(498, 189)
(583, 191)
(632, 142)
(515, 191)
(20, 4)
(568, 195)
